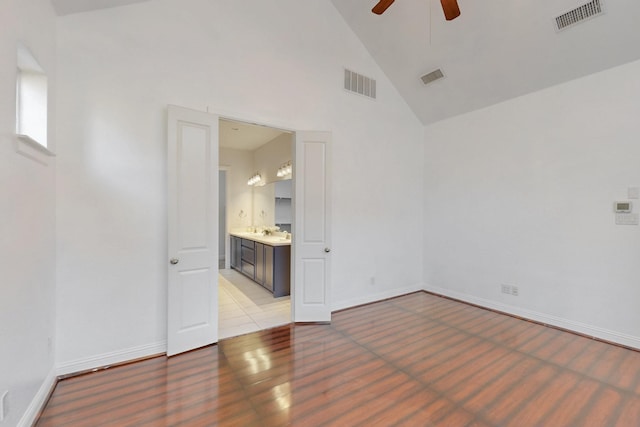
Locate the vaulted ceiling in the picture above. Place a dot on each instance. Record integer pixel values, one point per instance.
(496, 49)
(66, 7)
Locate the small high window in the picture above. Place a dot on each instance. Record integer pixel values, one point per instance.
(31, 99)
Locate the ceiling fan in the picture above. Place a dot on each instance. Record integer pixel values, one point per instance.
(450, 8)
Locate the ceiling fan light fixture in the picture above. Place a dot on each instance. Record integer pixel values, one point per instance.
(450, 9)
(382, 5)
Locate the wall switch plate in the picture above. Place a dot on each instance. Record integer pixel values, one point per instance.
(633, 192)
(627, 219)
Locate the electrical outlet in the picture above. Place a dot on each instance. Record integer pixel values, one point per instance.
(506, 289)
(514, 291)
(372, 280)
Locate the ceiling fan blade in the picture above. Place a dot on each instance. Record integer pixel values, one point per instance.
(450, 9)
(381, 6)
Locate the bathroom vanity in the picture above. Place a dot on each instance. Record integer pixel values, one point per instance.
(264, 259)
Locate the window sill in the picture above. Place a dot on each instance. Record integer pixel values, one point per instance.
(28, 147)
(27, 140)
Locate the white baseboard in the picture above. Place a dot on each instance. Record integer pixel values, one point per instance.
(107, 359)
(341, 305)
(579, 327)
(39, 400)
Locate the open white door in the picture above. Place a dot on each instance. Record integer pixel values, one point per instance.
(192, 318)
(312, 233)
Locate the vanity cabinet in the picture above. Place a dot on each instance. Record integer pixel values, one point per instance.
(269, 266)
(259, 263)
(236, 252)
(277, 269)
(268, 271)
(248, 258)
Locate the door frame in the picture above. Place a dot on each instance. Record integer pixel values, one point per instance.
(294, 130)
(227, 243)
(285, 127)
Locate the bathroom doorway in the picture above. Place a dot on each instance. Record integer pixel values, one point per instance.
(193, 149)
(250, 210)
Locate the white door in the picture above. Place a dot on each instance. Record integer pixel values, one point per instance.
(312, 233)
(192, 318)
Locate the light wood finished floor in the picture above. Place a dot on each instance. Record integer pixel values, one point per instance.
(416, 360)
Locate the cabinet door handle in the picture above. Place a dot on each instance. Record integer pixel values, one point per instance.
(327, 250)
(174, 261)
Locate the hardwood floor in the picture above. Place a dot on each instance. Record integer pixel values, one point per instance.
(416, 360)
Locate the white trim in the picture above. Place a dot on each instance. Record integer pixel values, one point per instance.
(579, 327)
(35, 144)
(227, 238)
(39, 400)
(107, 359)
(354, 302)
(28, 147)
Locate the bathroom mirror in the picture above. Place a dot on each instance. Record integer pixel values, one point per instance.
(283, 209)
(272, 205)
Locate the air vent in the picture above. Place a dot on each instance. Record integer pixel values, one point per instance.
(432, 76)
(358, 83)
(579, 14)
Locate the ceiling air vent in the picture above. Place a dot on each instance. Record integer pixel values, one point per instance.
(579, 14)
(358, 83)
(432, 76)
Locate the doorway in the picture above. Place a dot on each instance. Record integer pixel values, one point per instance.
(249, 150)
(192, 177)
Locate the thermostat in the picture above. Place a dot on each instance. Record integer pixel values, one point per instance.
(622, 207)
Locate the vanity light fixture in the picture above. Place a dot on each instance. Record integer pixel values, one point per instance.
(255, 179)
(284, 170)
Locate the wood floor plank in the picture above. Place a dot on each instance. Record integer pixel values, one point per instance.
(415, 360)
(516, 397)
(624, 374)
(548, 397)
(575, 404)
(629, 411)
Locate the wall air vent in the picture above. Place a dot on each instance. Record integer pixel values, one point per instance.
(579, 14)
(360, 84)
(432, 76)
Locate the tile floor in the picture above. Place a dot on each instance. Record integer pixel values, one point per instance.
(244, 306)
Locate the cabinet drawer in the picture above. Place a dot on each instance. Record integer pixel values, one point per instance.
(249, 269)
(248, 255)
(248, 243)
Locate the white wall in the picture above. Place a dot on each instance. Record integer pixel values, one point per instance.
(222, 214)
(27, 218)
(266, 161)
(240, 195)
(522, 193)
(120, 67)
(264, 205)
(272, 155)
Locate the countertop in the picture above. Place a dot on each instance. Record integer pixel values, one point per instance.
(260, 238)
